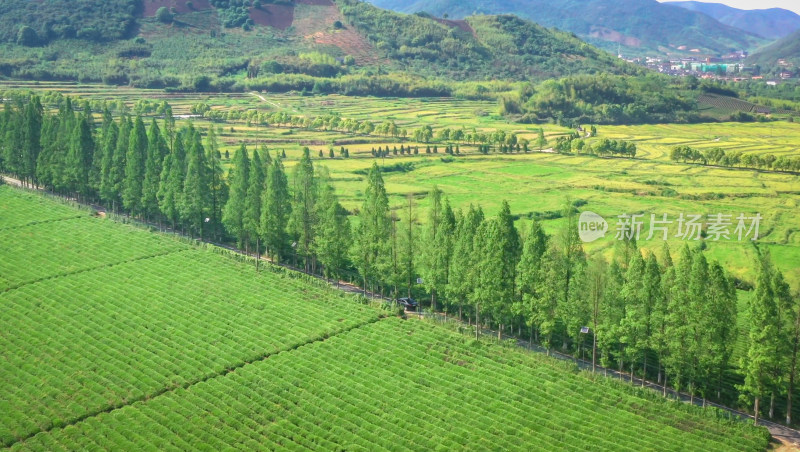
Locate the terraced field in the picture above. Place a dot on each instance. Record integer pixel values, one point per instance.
(188, 349)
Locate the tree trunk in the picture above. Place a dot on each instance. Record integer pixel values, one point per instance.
(258, 253)
(477, 321)
(755, 411)
(530, 338)
(594, 351)
(789, 401)
(665, 384)
(631, 373)
(644, 368)
(500, 332)
(772, 405)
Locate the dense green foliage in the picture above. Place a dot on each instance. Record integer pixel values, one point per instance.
(32, 23)
(487, 46)
(607, 99)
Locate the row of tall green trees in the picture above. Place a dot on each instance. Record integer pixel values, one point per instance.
(155, 172)
(718, 156)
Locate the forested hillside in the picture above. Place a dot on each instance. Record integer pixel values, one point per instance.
(787, 49)
(346, 47)
(31, 23)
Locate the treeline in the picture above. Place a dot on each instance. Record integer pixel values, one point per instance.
(32, 23)
(154, 172)
(718, 156)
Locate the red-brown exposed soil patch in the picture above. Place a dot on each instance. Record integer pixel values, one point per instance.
(277, 16)
(318, 27)
(151, 6)
(315, 2)
(462, 24)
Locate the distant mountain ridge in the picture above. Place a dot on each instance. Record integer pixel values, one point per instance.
(772, 23)
(646, 25)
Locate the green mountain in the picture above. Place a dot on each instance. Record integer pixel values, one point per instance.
(641, 26)
(787, 49)
(772, 23)
(343, 46)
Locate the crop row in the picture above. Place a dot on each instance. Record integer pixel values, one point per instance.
(404, 385)
(100, 339)
(18, 208)
(48, 249)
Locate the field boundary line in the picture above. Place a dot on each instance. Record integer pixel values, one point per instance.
(90, 269)
(186, 385)
(35, 223)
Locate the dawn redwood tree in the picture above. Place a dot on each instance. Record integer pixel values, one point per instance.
(595, 286)
(678, 360)
(660, 317)
(723, 333)
(652, 296)
(302, 221)
(700, 324)
(487, 259)
(510, 249)
(529, 273)
(408, 245)
(170, 191)
(108, 147)
(783, 301)
(635, 323)
(79, 162)
(31, 139)
(569, 268)
(194, 201)
(333, 239)
(217, 186)
(762, 336)
(612, 311)
(251, 218)
(461, 283)
(371, 247)
(134, 168)
(433, 272)
(120, 161)
(793, 339)
(233, 212)
(156, 150)
(275, 211)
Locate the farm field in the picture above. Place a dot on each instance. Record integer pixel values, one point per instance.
(534, 184)
(367, 390)
(194, 350)
(79, 343)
